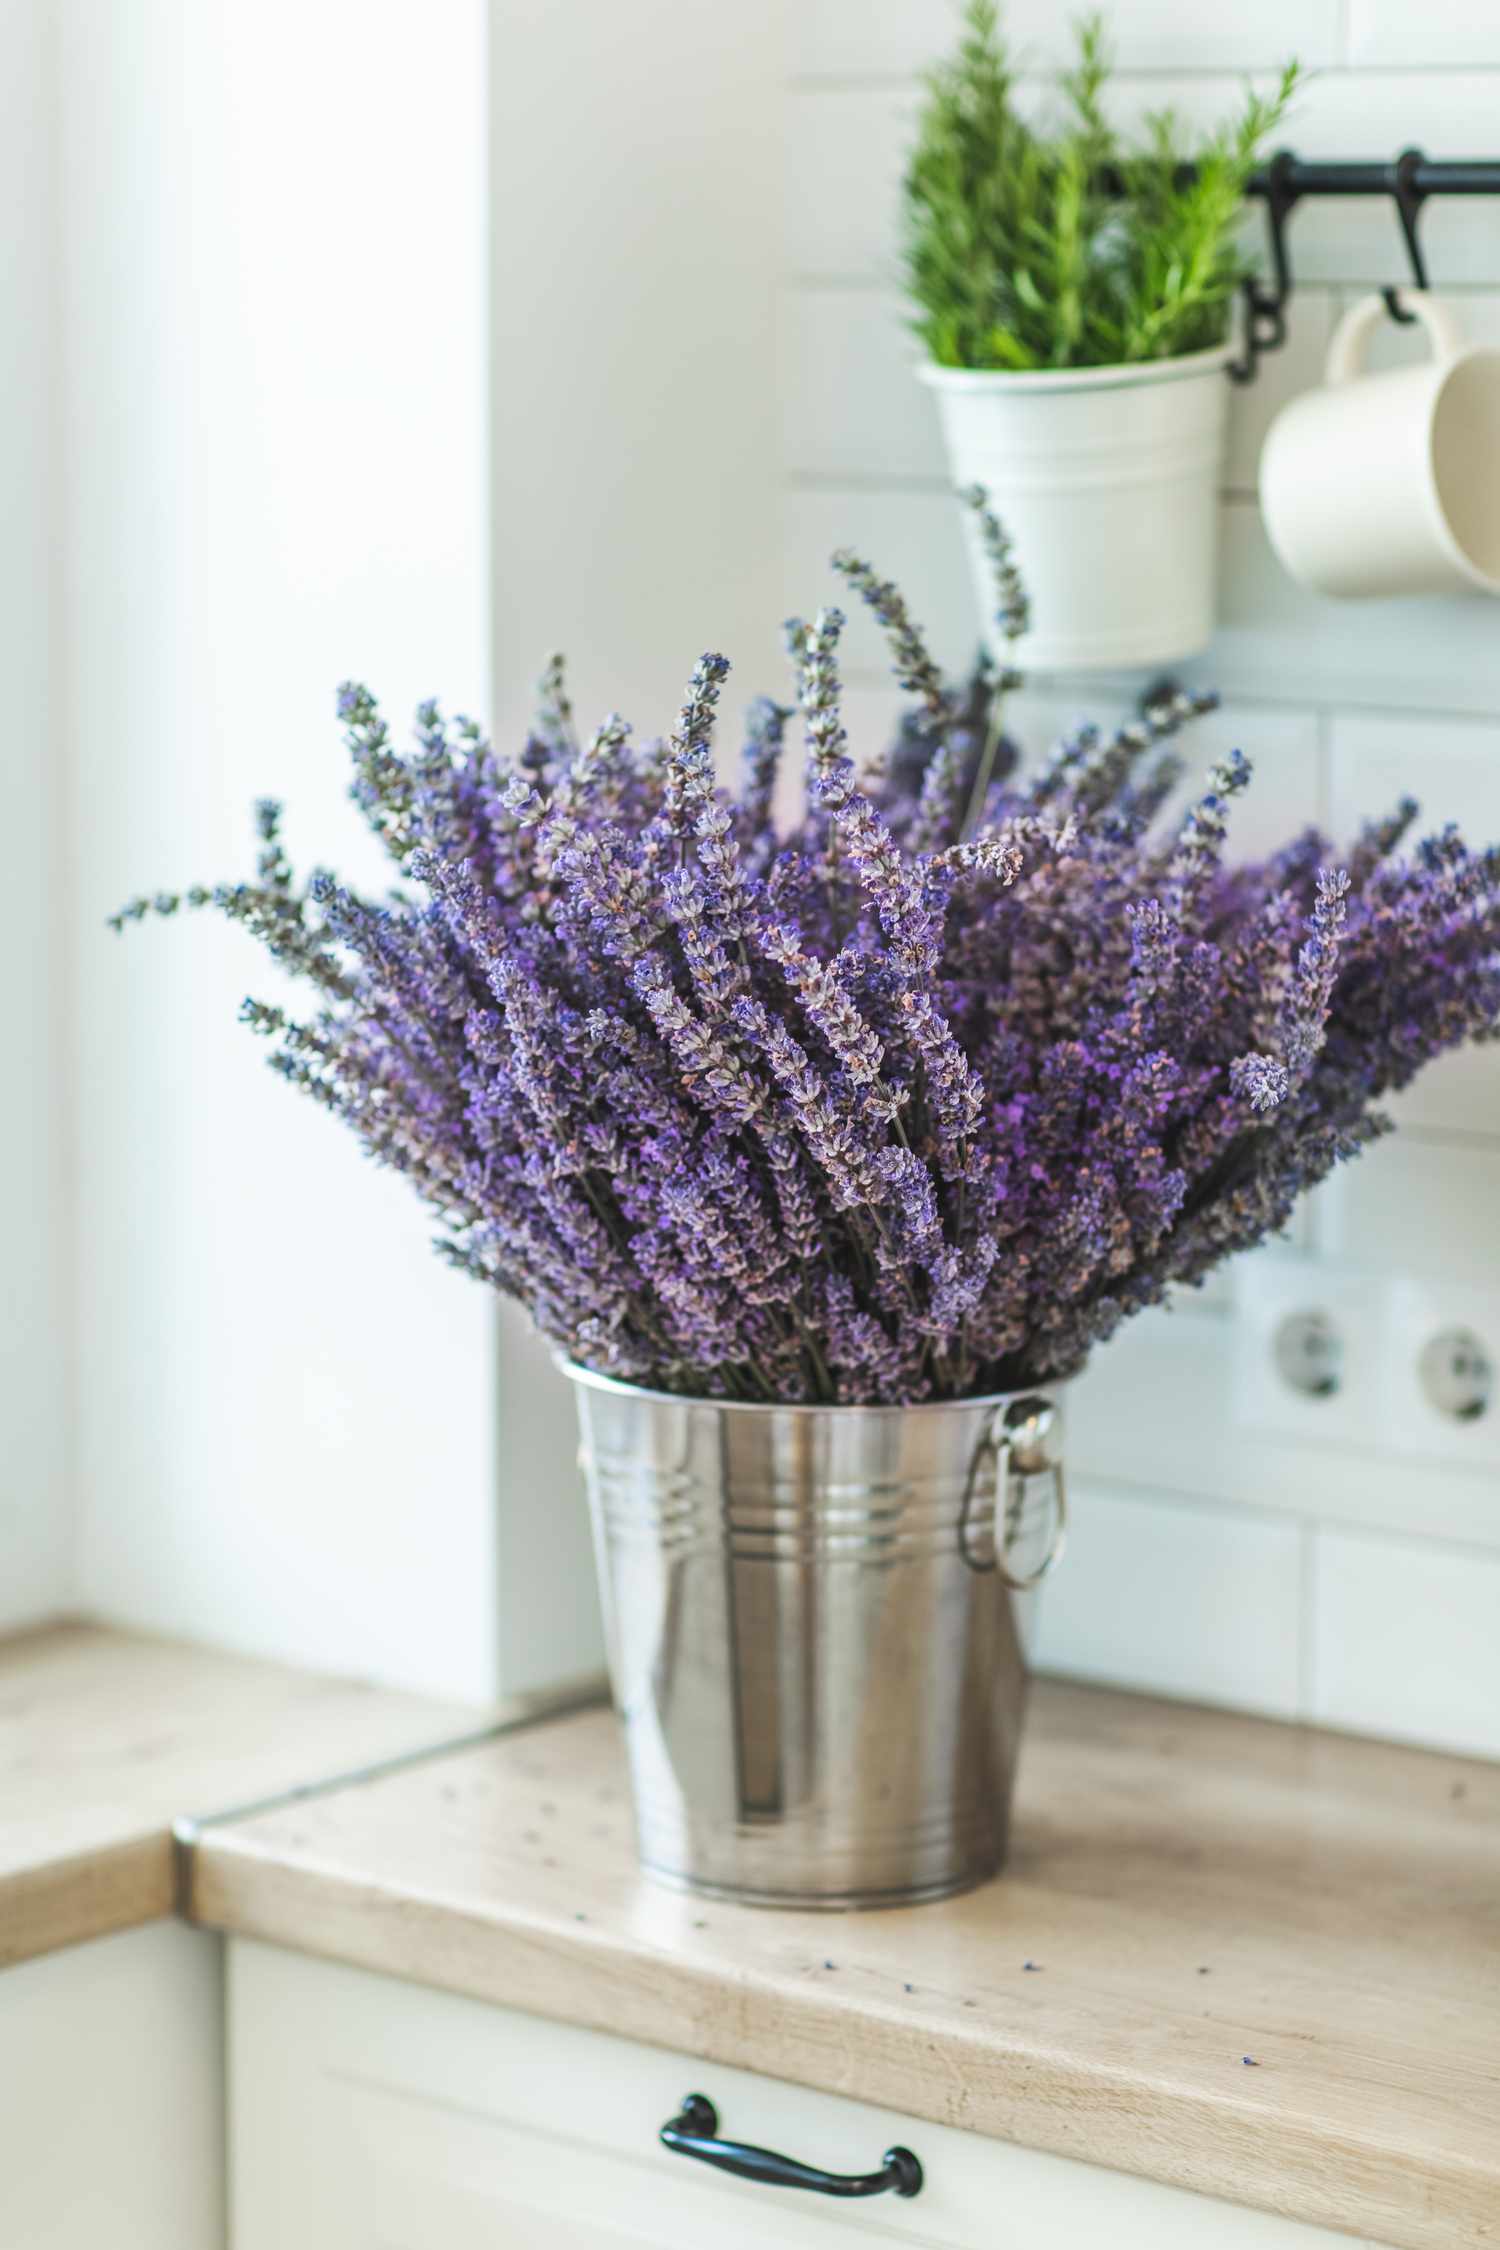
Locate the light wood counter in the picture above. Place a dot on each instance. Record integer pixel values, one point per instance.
(1253, 1960)
(107, 1738)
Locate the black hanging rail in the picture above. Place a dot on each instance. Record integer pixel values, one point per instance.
(1287, 180)
(1428, 175)
(1409, 179)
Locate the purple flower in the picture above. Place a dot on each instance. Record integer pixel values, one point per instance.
(918, 1094)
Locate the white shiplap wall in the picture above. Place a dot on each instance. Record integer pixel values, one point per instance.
(355, 374)
(1337, 1560)
(281, 1416)
(34, 1521)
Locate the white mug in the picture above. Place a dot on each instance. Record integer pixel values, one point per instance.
(1390, 484)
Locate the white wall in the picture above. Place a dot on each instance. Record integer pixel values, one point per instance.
(1340, 1559)
(636, 156)
(275, 434)
(637, 164)
(34, 1526)
(415, 351)
(392, 338)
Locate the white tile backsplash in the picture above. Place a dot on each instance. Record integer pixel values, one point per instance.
(913, 537)
(1394, 32)
(859, 39)
(1284, 748)
(1477, 312)
(1428, 1208)
(1426, 654)
(1453, 768)
(1231, 1542)
(1182, 1600)
(1162, 1411)
(1377, 113)
(851, 409)
(847, 147)
(1422, 1314)
(1279, 378)
(850, 405)
(1406, 1641)
(1269, 1296)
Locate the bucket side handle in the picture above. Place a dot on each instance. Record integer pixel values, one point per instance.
(1017, 1445)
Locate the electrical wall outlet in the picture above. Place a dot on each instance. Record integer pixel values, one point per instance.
(1311, 1350)
(1332, 1352)
(1440, 1338)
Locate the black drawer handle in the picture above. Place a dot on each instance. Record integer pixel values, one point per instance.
(695, 2130)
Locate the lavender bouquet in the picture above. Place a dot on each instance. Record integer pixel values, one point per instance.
(918, 1095)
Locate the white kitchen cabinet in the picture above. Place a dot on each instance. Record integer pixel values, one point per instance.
(367, 2114)
(111, 2095)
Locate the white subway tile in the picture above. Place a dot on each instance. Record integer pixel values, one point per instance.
(1440, 31)
(913, 537)
(850, 399)
(847, 147)
(1351, 113)
(908, 536)
(1176, 1598)
(1427, 1209)
(852, 405)
(1406, 1641)
(1391, 345)
(1282, 745)
(1453, 767)
(1269, 1293)
(1279, 377)
(1156, 1409)
(884, 38)
(1419, 1314)
(1458, 1093)
(1438, 653)
(1284, 790)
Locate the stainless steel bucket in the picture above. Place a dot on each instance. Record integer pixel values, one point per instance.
(812, 1633)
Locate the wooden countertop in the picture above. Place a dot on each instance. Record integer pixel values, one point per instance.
(107, 1738)
(1253, 1960)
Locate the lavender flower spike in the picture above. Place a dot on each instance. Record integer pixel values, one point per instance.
(917, 1091)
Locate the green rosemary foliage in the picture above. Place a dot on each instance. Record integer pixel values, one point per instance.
(1016, 254)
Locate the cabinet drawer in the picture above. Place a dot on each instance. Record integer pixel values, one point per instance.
(371, 2115)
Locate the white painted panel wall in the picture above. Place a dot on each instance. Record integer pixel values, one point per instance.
(412, 353)
(1335, 1559)
(634, 178)
(33, 1220)
(274, 427)
(416, 351)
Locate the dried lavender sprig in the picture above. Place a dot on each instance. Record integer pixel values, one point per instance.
(913, 666)
(1012, 615)
(867, 1109)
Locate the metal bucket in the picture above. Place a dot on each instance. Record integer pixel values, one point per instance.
(812, 1634)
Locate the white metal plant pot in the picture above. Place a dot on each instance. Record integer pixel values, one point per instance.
(1107, 480)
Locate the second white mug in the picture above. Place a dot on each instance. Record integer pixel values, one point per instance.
(1390, 484)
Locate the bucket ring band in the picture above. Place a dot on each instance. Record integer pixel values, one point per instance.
(1017, 1450)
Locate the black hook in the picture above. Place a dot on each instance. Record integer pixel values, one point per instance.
(1265, 308)
(1409, 200)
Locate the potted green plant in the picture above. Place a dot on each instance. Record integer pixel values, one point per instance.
(1075, 293)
